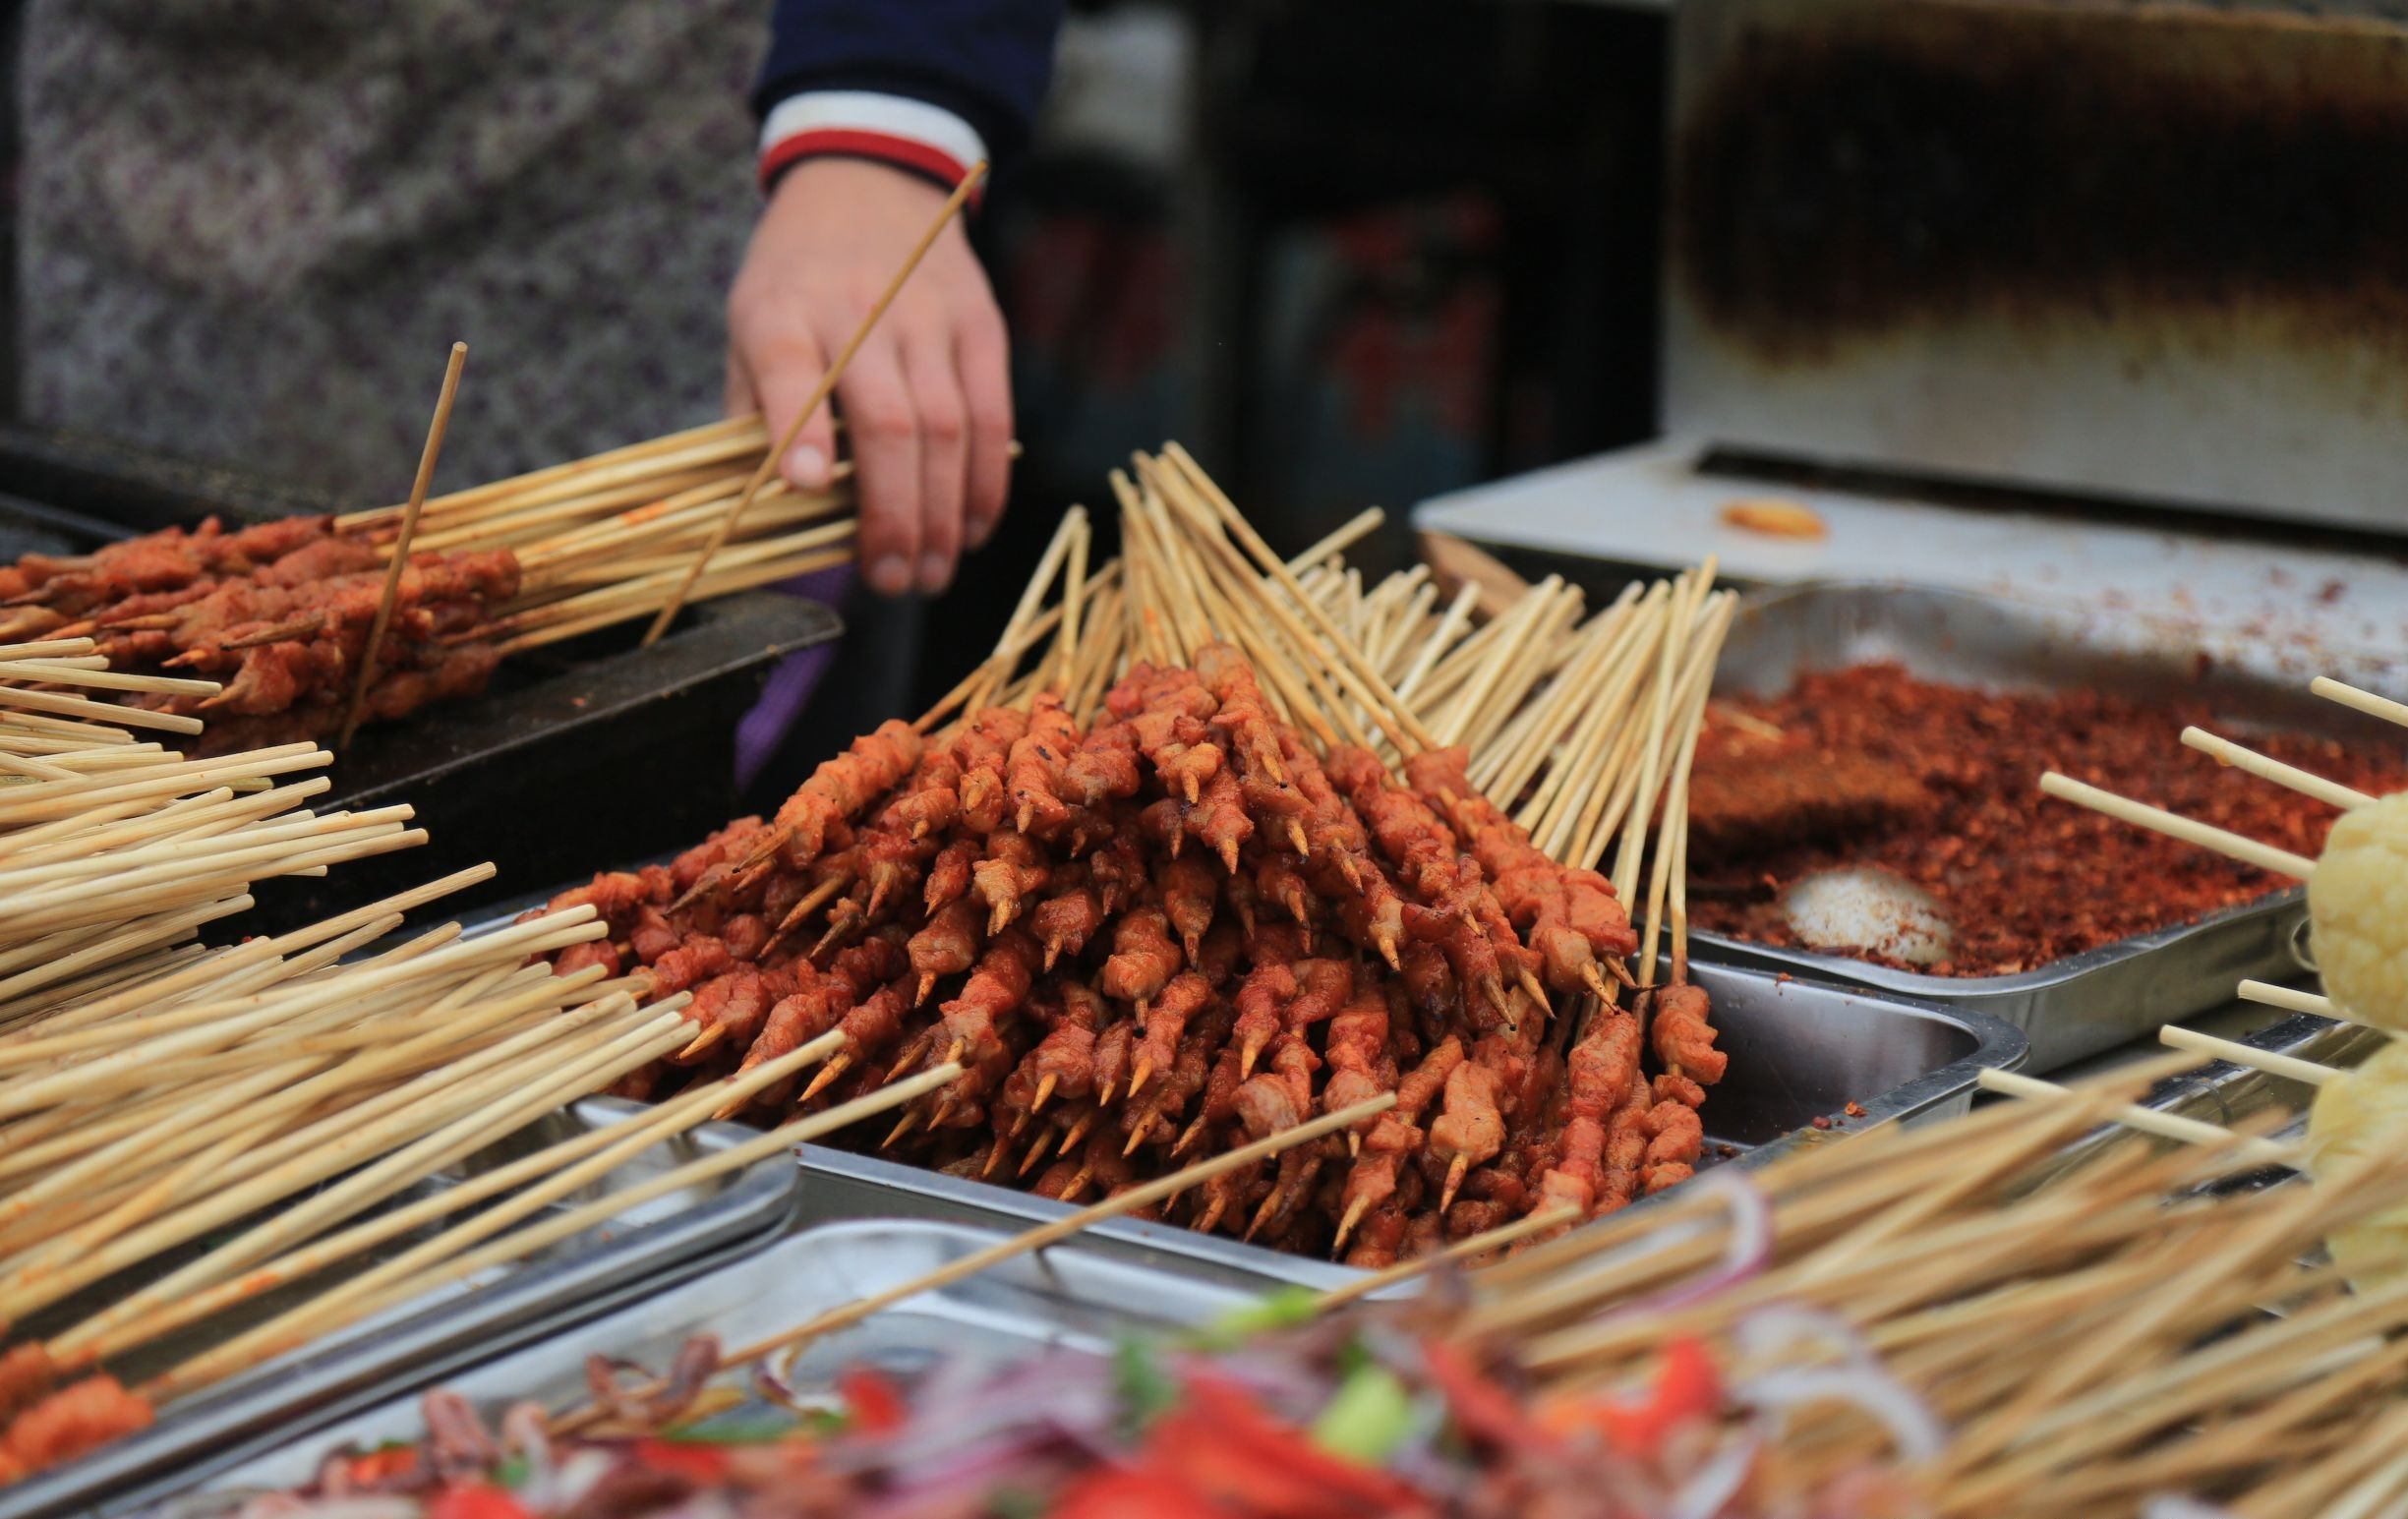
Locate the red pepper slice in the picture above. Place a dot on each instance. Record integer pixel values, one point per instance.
(876, 1403)
(1687, 1387)
(1132, 1494)
(1483, 1409)
(474, 1501)
(699, 1464)
(378, 1465)
(1222, 1445)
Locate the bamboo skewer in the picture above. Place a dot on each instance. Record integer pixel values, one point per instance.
(401, 544)
(2273, 1064)
(122, 1327)
(1354, 673)
(811, 405)
(2290, 777)
(2363, 701)
(745, 433)
(1460, 1251)
(1060, 1228)
(314, 1321)
(2288, 999)
(2166, 1126)
(2174, 825)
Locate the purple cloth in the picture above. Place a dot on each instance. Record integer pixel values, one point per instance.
(789, 686)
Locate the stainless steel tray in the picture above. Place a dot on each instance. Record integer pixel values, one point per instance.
(1065, 1295)
(2099, 999)
(666, 1240)
(1799, 1051)
(2223, 1093)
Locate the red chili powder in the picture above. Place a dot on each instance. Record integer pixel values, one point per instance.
(1940, 785)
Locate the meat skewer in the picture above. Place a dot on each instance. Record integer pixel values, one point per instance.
(1036, 771)
(1180, 924)
(1571, 916)
(1395, 1138)
(1065, 921)
(1143, 957)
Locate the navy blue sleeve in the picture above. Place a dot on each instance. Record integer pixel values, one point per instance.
(987, 61)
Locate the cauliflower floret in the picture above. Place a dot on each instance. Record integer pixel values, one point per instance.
(2362, 1117)
(2358, 900)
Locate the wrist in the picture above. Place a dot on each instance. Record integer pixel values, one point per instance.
(913, 136)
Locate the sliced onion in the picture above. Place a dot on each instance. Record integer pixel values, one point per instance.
(361, 1508)
(963, 1472)
(1749, 1251)
(1776, 1326)
(576, 1476)
(1914, 1430)
(1861, 1377)
(1062, 1392)
(523, 1431)
(1712, 1486)
(770, 1381)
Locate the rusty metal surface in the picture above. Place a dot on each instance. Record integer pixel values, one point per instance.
(2156, 250)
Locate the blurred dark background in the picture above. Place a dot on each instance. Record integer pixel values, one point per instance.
(1349, 252)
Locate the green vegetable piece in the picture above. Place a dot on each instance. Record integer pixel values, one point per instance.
(756, 1429)
(1282, 1308)
(510, 1472)
(1147, 1391)
(1017, 1503)
(1369, 1418)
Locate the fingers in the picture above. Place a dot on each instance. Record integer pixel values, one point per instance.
(739, 397)
(983, 357)
(944, 450)
(780, 382)
(884, 424)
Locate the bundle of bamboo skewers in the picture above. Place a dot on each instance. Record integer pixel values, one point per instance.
(1903, 1322)
(209, 1156)
(2078, 1347)
(606, 540)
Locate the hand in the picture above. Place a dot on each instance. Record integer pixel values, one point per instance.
(928, 398)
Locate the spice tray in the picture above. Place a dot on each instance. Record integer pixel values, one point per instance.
(1064, 1296)
(665, 1241)
(2097, 999)
(1800, 1052)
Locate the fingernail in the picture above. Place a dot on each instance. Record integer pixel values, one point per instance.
(980, 530)
(807, 465)
(934, 571)
(890, 576)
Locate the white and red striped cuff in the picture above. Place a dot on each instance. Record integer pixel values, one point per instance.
(866, 124)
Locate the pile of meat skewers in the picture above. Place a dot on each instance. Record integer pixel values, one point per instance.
(1169, 933)
(280, 613)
